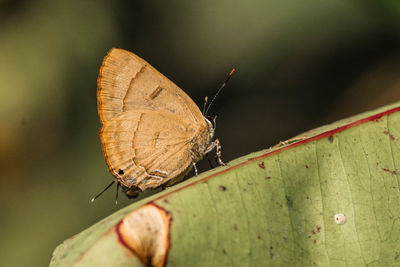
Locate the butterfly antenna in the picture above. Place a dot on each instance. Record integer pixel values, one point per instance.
(219, 90)
(99, 194)
(205, 104)
(116, 195)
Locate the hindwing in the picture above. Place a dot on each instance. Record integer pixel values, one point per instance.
(145, 148)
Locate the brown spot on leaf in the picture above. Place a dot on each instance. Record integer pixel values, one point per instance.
(330, 138)
(222, 188)
(390, 135)
(268, 177)
(390, 171)
(313, 232)
(235, 227)
(261, 165)
(289, 202)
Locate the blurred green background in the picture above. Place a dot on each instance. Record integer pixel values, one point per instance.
(300, 64)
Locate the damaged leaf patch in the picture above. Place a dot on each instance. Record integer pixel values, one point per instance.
(146, 232)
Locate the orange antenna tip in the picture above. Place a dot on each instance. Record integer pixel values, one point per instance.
(219, 90)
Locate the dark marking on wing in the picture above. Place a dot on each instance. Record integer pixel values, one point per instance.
(159, 173)
(156, 92)
(154, 143)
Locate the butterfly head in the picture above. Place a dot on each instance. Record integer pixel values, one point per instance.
(130, 192)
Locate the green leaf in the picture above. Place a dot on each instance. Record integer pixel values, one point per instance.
(275, 207)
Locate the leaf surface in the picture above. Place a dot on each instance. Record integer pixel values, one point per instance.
(275, 207)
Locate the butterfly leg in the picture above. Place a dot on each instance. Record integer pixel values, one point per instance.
(215, 144)
(195, 168)
(194, 164)
(218, 152)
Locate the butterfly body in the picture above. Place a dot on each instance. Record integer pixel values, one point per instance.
(152, 132)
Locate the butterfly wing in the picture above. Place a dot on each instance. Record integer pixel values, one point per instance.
(127, 82)
(145, 148)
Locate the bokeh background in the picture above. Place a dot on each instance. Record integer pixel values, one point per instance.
(300, 64)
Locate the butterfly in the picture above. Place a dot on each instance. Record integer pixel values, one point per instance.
(152, 132)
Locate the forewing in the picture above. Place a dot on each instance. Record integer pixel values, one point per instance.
(145, 148)
(127, 82)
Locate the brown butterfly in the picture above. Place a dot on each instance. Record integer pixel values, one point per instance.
(152, 132)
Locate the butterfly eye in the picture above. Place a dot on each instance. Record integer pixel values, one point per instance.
(212, 120)
(121, 172)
